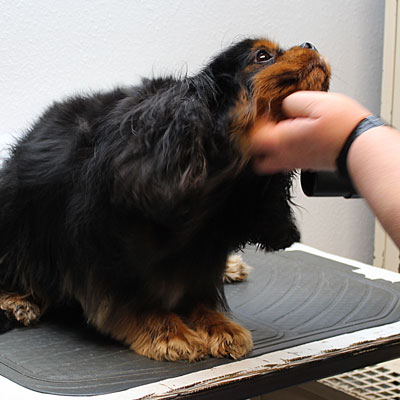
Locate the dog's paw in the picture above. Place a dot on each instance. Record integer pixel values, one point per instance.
(224, 337)
(163, 337)
(19, 308)
(236, 269)
(173, 346)
(228, 339)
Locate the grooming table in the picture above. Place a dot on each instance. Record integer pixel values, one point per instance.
(312, 315)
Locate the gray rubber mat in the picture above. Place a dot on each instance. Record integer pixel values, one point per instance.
(291, 298)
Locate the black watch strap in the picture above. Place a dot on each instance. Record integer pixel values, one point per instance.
(364, 125)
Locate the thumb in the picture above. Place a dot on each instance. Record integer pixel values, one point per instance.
(302, 104)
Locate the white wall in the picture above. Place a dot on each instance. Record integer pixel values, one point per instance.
(52, 48)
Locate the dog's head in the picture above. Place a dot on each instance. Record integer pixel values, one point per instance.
(254, 76)
(258, 74)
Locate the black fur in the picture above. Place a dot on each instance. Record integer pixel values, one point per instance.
(133, 193)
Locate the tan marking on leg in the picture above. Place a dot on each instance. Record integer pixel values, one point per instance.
(19, 308)
(236, 269)
(224, 337)
(157, 336)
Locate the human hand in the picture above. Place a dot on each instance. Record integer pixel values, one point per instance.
(318, 124)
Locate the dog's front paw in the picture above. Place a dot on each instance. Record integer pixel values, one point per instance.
(236, 269)
(174, 346)
(228, 339)
(156, 335)
(224, 337)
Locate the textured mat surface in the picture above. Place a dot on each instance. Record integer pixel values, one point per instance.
(290, 298)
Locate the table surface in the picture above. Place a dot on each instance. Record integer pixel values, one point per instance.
(327, 352)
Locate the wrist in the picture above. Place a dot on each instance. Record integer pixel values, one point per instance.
(366, 124)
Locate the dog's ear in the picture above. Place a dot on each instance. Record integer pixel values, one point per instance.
(262, 207)
(165, 160)
(274, 226)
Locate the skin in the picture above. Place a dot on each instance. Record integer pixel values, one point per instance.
(318, 124)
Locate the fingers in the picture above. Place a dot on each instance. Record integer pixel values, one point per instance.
(264, 137)
(286, 135)
(282, 146)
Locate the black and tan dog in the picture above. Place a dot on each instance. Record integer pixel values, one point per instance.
(129, 202)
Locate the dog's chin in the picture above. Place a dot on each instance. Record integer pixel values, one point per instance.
(316, 79)
(297, 70)
(272, 109)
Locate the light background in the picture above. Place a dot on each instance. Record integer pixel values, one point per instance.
(50, 49)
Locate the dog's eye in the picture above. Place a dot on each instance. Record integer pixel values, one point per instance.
(262, 56)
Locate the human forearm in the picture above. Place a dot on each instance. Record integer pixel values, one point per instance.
(373, 163)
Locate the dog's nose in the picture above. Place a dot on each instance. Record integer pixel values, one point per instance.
(308, 45)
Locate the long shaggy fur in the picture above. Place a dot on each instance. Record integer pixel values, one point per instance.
(129, 202)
